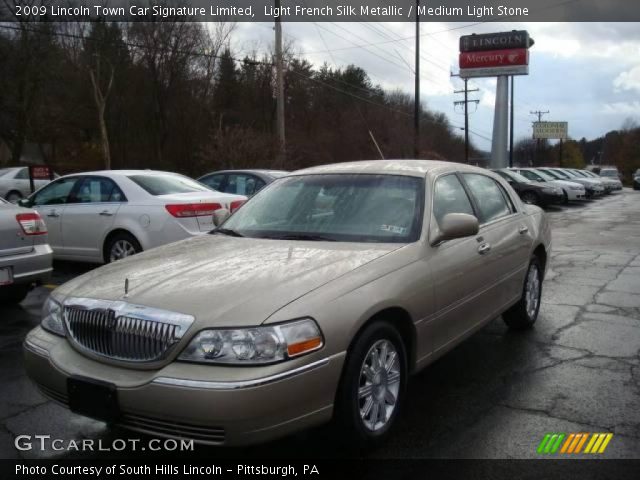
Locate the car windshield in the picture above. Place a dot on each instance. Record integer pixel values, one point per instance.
(551, 173)
(167, 184)
(579, 173)
(544, 175)
(563, 174)
(334, 207)
(609, 173)
(515, 176)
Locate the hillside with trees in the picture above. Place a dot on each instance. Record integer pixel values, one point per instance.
(174, 96)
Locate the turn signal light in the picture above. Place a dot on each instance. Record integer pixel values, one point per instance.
(186, 210)
(302, 347)
(31, 223)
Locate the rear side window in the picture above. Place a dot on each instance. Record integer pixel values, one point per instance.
(98, 190)
(450, 197)
(243, 184)
(23, 174)
(488, 196)
(167, 184)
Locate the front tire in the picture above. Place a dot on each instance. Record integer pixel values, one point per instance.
(119, 246)
(524, 314)
(13, 197)
(530, 198)
(373, 385)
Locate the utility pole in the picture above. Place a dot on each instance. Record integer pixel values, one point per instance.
(465, 104)
(511, 125)
(416, 111)
(282, 152)
(539, 114)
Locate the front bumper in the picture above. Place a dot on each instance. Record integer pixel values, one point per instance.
(209, 404)
(551, 198)
(573, 195)
(32, 267)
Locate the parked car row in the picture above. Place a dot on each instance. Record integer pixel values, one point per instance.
(550, 185)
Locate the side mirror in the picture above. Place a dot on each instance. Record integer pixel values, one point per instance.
(456, 225)
(24, 202)
(220, 215)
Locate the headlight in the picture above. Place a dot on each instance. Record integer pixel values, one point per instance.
(552, 191)
(576, 187)
(52, 317)
(255, 345)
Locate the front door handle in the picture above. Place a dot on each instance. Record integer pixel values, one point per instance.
(106, 213)
(484, 248)
(53, 214)
(522, 230)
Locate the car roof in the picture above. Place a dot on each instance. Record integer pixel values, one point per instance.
(416, 168)
(263, 171)
(121, 173)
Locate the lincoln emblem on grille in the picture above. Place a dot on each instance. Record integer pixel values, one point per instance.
(126, 287)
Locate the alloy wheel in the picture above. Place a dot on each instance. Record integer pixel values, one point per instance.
(379, 385)
(532, 291)
(121, 249)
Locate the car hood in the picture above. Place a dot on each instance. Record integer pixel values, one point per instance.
(222, 280)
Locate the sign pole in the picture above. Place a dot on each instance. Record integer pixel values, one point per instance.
(500, 124)
(560, 151)
(511, 125)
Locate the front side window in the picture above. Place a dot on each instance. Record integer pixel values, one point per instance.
(56, 192)
(335, 207)
(488, 197)
(98, 190)
(167, 184)
(449, 196)
(241, 184)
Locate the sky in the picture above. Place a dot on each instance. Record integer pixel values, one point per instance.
(587, 74)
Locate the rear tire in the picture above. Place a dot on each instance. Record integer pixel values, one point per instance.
(372, 387)
(13, 294)
(119, 246)
(524, 314)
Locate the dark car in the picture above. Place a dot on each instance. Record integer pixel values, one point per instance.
(249, 182)
(533, 193)
(636, 180)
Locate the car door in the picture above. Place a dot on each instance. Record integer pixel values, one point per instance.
(50, 202)
(457, 267)
(89, 216)
(505, 240)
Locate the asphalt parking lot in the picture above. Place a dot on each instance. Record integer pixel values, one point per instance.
(495, 396)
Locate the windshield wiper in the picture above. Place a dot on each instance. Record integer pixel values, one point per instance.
(301, 236)
(227, 231)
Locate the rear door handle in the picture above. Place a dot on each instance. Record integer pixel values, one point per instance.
(53, 214)
(106, 213)
(484, 248)
(522, 230)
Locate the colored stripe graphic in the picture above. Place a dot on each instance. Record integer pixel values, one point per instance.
(573, 443)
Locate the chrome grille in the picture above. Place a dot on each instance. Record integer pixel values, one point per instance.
(122, 331)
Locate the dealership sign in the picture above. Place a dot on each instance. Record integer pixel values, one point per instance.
(41, 172)
(495, 41)
(493, 54)
(549, 130)
(494, 58)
